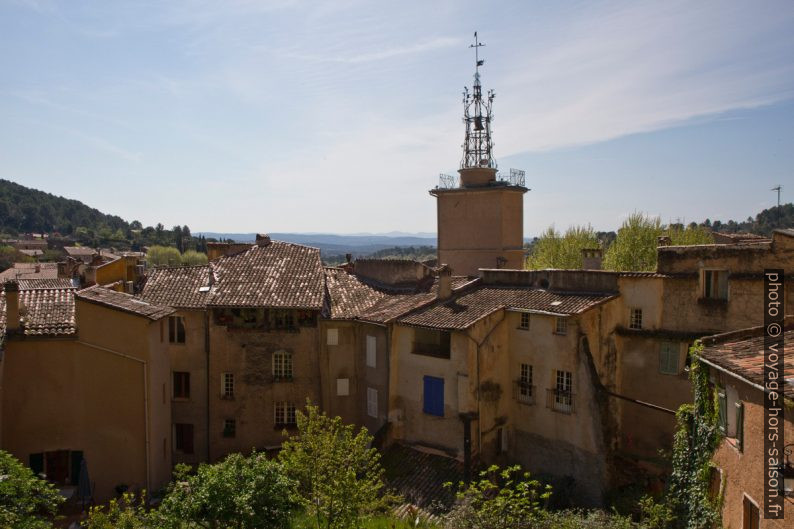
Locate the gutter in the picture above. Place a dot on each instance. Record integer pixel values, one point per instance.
(731, 374)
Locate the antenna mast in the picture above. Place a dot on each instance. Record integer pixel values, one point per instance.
(777, 188)
(477, 116)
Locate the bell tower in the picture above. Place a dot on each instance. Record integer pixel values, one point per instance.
(480, 213)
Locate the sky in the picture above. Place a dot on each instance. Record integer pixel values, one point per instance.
(337, 117)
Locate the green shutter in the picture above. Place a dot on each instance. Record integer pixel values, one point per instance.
(740, 426)
(36, 462)
(723, 401)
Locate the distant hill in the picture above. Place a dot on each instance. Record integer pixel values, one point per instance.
(337, 245)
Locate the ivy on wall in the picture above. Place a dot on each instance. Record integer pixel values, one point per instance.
(696, 438)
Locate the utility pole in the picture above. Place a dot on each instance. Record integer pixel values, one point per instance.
(777, 188)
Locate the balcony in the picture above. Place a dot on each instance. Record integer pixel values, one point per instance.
(560, 401)
(523, 392)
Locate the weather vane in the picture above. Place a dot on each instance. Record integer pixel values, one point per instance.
(477, 45)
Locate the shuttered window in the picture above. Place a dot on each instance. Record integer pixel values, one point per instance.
(434, 396)
(372, 402)
(371, 351)
(723, 417)
(668, 358)
(740, 426)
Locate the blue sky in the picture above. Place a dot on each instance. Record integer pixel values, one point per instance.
(338, 116)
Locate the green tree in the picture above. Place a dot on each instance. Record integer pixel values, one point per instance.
(692, 234)
(126, 513)
(240, 492)
(192, 257)
(635, 245)
(553, 250)
(163, 256)
(500, 499)
(26, 501)
(339, 477)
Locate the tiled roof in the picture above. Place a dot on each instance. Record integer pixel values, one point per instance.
(28, 271)
(126, 302)
(348, 297)
(742, 353)
(279, 274)
(396, 305)
(79, 250)
(185, 287)
(419, 476)
(460, 312)
(34, 284)
(43, 311)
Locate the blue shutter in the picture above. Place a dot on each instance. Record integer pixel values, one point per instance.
(434, 396)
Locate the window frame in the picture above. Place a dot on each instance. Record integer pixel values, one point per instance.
(371, 353)
(180, 431)
(227, 385)
(671, 350)
(177, 334)
(282, 365)
(284, 414)
(229, 428)
(561, 325)
(635, 318)
(184, 384)
(714, 283)
(524, 321)
(372, 403)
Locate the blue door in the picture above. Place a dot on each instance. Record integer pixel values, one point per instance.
(434, 396)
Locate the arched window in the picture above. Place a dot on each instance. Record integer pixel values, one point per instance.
(282, 365)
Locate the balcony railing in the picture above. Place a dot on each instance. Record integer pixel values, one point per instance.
(560, 401)
(447, 181)
(523, 392)
(516, 177)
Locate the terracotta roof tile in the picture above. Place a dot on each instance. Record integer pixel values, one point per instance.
(462, 311)
(185, 287)
(34, 284)
(279, 274)
(126, 302)
(28, 271)
(43, 311)
(744, 355)
(348, 296)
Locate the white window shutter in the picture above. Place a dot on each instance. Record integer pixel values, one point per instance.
(371, 351)
(342, 387)
(333, 337)
(372, 402)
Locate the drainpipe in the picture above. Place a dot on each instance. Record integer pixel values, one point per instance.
(207, 355)
(145, 401)
(479, 344)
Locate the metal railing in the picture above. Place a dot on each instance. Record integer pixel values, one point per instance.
(560, 401)
(524, 392)
(516, 177)
(447, 181)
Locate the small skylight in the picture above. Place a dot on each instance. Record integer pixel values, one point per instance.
(204, 289)
(555, 303)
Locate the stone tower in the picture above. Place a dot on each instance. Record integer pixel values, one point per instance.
(481, 216)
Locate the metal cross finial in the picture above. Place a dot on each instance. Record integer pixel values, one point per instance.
(477, 45)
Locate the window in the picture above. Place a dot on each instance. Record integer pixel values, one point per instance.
(227, 385)
(525, 384)
(722, 401)
(751, 518)
(563, 396)
(333, 337)
(635, 319)
(284, 413)
(715, 284)
(183, 438)
(371, 351)
(431, 342)
(282, 365)
(229, 428)
(372, 402)
(668, 358)
(283, 319)
(181, 385)
(739, 410)
(561, 326)
(59, 466)
(176, 329)
(524, 325)
(434, 396)
(342, 387)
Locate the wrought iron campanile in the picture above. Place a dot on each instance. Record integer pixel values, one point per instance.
(477, 116)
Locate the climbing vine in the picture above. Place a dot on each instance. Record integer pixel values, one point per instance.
(696, 438)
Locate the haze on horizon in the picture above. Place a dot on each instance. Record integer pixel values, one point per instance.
(296, 116)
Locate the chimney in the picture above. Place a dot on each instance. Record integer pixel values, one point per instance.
(592, 258)
(12, 306)
(262, 239)
(663, 240)
(37, 268)
(444, 282)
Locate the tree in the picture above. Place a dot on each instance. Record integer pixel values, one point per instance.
(635, 245)
(127, 513)
(339, 478)
(26, 501)
(552, 250)
(163, 256)
(500, 499)
(241, 492)
(192, 258)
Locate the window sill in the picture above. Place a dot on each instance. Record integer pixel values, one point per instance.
(292, 427)
(713, 302)
(180, 399)
(522, 328)
(283, 379)
(227, 397)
